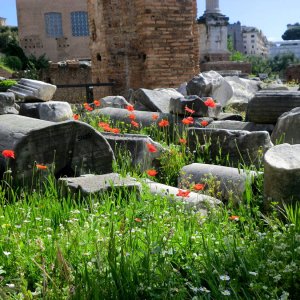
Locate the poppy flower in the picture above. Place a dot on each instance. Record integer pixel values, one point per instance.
(138, 220)
(97, 103)
(132, 116)
(234, 218)
(191, 111)
(89, 108)
(210, 102)
(8, 154)
(182, 193)
(204, 123)
(182, 141)
(151, 148)
(41, 167)
(154, 117)
(103, 124)
(134, 124)
(130, 108)
(163, 123)
(76, 117)
(188, 121)
(199, 186)
(151, 172)
(115, 130)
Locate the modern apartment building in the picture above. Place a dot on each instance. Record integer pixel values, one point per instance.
(255, 42)
(2, 21)
(57, 28)
(284, 47)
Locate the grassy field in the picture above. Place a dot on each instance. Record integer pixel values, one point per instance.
(116, 245)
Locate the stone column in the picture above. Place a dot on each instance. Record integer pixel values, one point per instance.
(212, 6)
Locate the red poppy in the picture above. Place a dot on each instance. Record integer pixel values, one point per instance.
(8, 153)
(191, 111)
(151, 172)
(134, 124)
(41, 167)
(199, 186)
(163, 123)
(89, 108)
(130, 108)
(76, 117)
(187, 121)
(204, 123)
(138, 220)
(182, 193)
(85, 104)
(97, 102)
(182, 141)
(151, 148)
(103, 124)
(132, 116)
(234, 218)
(210, 102)
(115, 130)
(154, 117)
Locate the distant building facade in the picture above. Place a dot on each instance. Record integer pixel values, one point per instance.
(255, 42)
(236, 36)
(2, 21)
(59, 29)
(284, 47)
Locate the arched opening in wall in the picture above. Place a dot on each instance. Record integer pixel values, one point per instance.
(99, 58)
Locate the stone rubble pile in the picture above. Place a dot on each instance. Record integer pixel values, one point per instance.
(40, 129)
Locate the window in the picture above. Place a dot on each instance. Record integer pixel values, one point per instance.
(53, 24)
(79, 21)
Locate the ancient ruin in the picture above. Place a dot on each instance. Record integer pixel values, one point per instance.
(147, 44)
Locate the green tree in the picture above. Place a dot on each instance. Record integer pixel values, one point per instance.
(291, 34)
(7, 35)
(280, 62)
(234, 55)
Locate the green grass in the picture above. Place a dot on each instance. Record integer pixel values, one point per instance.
(121, 246)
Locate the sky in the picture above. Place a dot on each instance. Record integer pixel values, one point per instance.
(271, 16)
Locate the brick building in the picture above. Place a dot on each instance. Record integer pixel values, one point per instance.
(143, 43)
(58, 29)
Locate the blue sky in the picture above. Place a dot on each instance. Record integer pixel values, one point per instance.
(271, 16)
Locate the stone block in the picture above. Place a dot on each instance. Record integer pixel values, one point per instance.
(282, 175)
(201, 203)
(71, 147)
(267, 106)
(29, 89)
(54, 111)
(240, 147)
(287, 128)
(7, 104)
(229, 182)
(114, 101)
(91, 184)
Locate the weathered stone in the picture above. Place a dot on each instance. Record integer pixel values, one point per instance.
(54, 111)
(237, 125)
(136, 146)
(230, 183)
(7, 104)
(157, 100)
(144, 118)
(178, 105)
(73, 147)
(90, 184)
(199, 202)
(229, 116)
(210, 84)
(114, 101)
(243, 91)
(287, 128)
(238, 146)
(282, 174)
(182, 89)
(29, 89)
(273, 86)
(266, 107)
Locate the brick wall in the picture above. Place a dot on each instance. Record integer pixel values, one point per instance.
(143, 43)
(72, 73)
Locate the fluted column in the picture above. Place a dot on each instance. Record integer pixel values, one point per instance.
(212, 6)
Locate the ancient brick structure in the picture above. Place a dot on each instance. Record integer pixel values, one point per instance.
(143, 43)
(293, 73)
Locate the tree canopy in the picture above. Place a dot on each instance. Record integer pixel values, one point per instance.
(291, 34)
